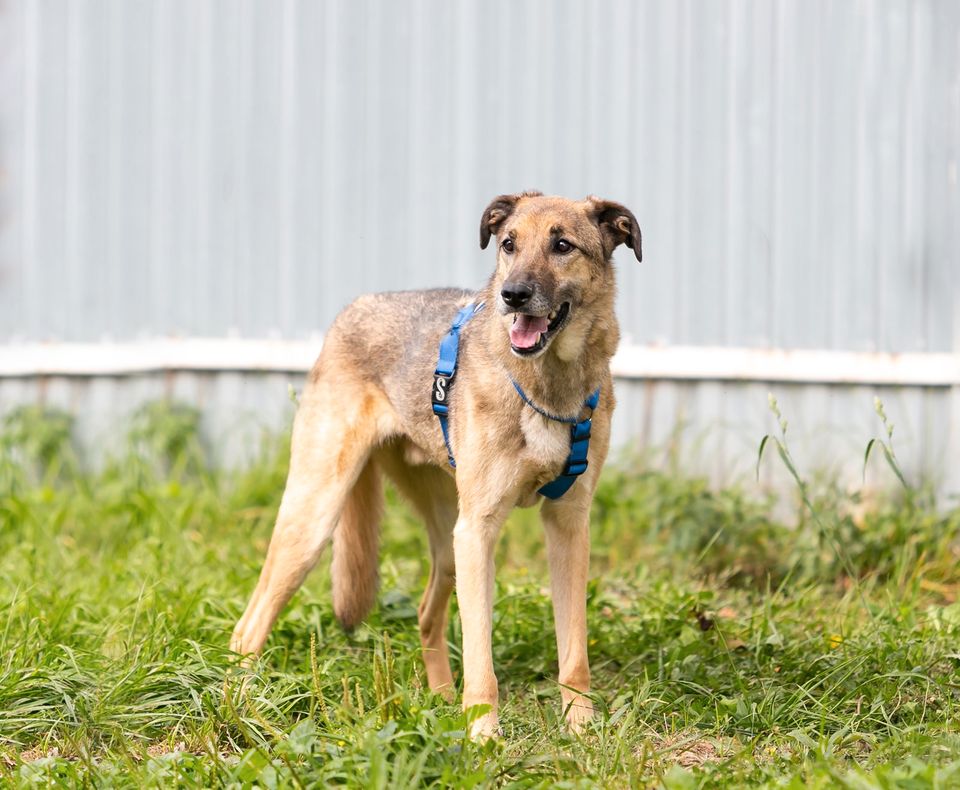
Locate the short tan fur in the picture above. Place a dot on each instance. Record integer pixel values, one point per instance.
(366, 411)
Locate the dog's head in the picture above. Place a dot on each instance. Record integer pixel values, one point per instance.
(553, 259)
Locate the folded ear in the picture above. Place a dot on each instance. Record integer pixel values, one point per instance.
(617, 226)
(499, 209)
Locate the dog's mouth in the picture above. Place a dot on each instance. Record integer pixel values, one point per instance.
(530, 334)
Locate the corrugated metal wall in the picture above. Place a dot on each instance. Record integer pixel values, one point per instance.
(249, 166)
(211, 167)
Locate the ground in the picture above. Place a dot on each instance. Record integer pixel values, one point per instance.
(730, 648)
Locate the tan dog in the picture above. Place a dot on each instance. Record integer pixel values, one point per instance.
(550, 326)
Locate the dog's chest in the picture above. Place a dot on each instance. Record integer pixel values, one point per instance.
(547, 441)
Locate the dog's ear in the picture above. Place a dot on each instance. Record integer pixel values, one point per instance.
(617, 226)
(499, 209)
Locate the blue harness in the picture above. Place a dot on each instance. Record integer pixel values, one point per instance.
(576, 463)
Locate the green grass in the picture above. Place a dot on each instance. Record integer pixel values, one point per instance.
(728, 649)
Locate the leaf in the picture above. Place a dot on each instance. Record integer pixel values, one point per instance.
(387, 731)
(803, 739)
(618, 714)
(892, 463)
(889, 456)
(763, 444)
(866, 458)
(679, 778)
(301, 739)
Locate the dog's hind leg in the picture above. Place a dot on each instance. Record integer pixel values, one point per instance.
(433, 494)
(436, 598)
(356, 549)
(335, 430)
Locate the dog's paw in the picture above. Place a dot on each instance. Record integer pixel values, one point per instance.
(578, 710)
(485, 727)
(238, 644)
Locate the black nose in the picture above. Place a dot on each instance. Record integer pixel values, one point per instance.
(516, 294)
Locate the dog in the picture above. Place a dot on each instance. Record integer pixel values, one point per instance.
(533, 349)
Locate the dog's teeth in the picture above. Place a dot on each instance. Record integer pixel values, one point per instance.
(553, 315)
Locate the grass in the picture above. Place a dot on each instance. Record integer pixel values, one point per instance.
(728, 649)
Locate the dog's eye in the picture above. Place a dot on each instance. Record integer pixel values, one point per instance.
(507, 245)
(562, 246)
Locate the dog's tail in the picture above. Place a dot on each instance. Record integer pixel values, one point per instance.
(356, 549)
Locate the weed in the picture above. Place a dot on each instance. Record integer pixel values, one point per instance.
(728, 649)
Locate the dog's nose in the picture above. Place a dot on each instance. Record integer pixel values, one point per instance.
(516, 294)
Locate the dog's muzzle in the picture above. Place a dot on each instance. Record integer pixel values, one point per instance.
(530, 334)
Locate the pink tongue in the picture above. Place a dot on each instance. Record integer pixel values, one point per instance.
(526, 330)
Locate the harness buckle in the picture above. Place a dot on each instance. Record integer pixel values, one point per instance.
(580, 431)
(440, 392)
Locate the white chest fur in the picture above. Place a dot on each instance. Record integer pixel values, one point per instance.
(548, 441)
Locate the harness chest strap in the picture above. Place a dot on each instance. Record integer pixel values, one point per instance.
(446, 370)
(576, 463)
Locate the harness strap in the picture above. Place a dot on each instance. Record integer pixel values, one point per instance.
(576, 463)
(590, 403)
(443, 376)
(447, 369)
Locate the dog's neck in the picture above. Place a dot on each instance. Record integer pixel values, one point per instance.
(572, 367)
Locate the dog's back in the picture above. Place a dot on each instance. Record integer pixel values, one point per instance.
(391, 337)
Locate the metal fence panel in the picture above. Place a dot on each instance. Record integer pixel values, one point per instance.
(249, 167)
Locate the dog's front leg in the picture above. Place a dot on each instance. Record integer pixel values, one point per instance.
(474, 539)
(566, 523)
